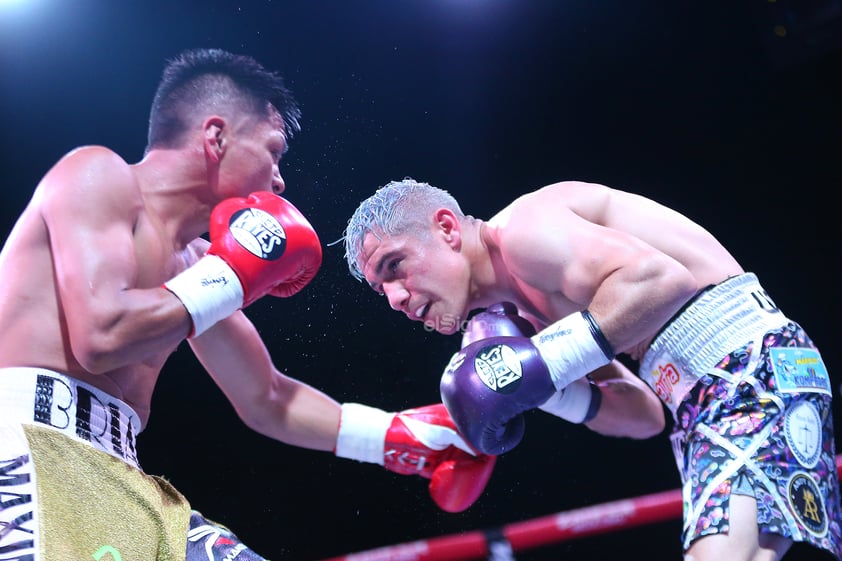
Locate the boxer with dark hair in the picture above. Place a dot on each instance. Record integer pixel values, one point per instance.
(106, 272)
(599, 272)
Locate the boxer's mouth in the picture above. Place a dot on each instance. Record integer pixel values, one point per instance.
(422, 311)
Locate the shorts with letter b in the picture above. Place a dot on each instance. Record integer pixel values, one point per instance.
(71, 486)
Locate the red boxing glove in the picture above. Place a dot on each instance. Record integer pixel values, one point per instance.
(259, 245)
(267, 242)
(421, 441)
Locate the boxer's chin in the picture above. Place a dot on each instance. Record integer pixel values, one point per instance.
(431, 325)
(449, 330)
(446, 324)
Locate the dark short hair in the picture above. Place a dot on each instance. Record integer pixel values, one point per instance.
(199, 81)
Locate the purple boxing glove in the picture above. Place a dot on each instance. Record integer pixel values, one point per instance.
(505, 369)
(485, 386)
(497, 320)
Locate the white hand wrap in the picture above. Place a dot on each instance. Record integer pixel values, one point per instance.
(572, 347)
(578, 402)
(362, 433)
(210, 290)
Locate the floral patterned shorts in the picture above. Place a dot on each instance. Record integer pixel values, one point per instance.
(762, 420)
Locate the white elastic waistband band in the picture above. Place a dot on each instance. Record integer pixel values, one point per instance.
(722, 319)
(45, 398)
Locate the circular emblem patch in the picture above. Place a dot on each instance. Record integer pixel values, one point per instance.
(499, 368)
(803, 430)
(258, 232)
(807, 503)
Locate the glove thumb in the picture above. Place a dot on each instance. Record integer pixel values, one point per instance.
(457, 484)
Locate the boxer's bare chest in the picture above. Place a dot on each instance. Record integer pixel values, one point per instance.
(158, 256)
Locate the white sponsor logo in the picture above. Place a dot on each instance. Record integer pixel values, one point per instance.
(499, 368)
(803, 430)
(259, 232)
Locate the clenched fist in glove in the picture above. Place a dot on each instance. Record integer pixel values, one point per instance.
(501, 372)
(260, 245)
(421, 441)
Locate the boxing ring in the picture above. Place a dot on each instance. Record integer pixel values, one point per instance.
(545, 530)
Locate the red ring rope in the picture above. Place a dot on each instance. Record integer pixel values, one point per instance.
(553, 528)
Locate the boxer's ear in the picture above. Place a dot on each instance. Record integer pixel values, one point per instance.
(214, 141)
(448, 227)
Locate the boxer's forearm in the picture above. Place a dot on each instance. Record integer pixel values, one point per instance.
(296, 414)
(629, 409)
(271, 403)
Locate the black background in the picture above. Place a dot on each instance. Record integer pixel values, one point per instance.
(705, 106)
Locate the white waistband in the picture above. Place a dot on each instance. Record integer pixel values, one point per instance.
(45, 398)
(722, 319)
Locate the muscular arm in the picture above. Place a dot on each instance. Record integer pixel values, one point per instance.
(268, 401)
(565, 243)
(629, 408)
(554, 240)
(90, 205)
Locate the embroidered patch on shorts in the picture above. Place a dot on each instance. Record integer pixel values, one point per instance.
(808, 504)
(803, 430)
(799, 370)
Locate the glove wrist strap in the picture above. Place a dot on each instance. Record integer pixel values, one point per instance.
(362, 433)
(572, 347)
(578, 402)
(209, 289)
